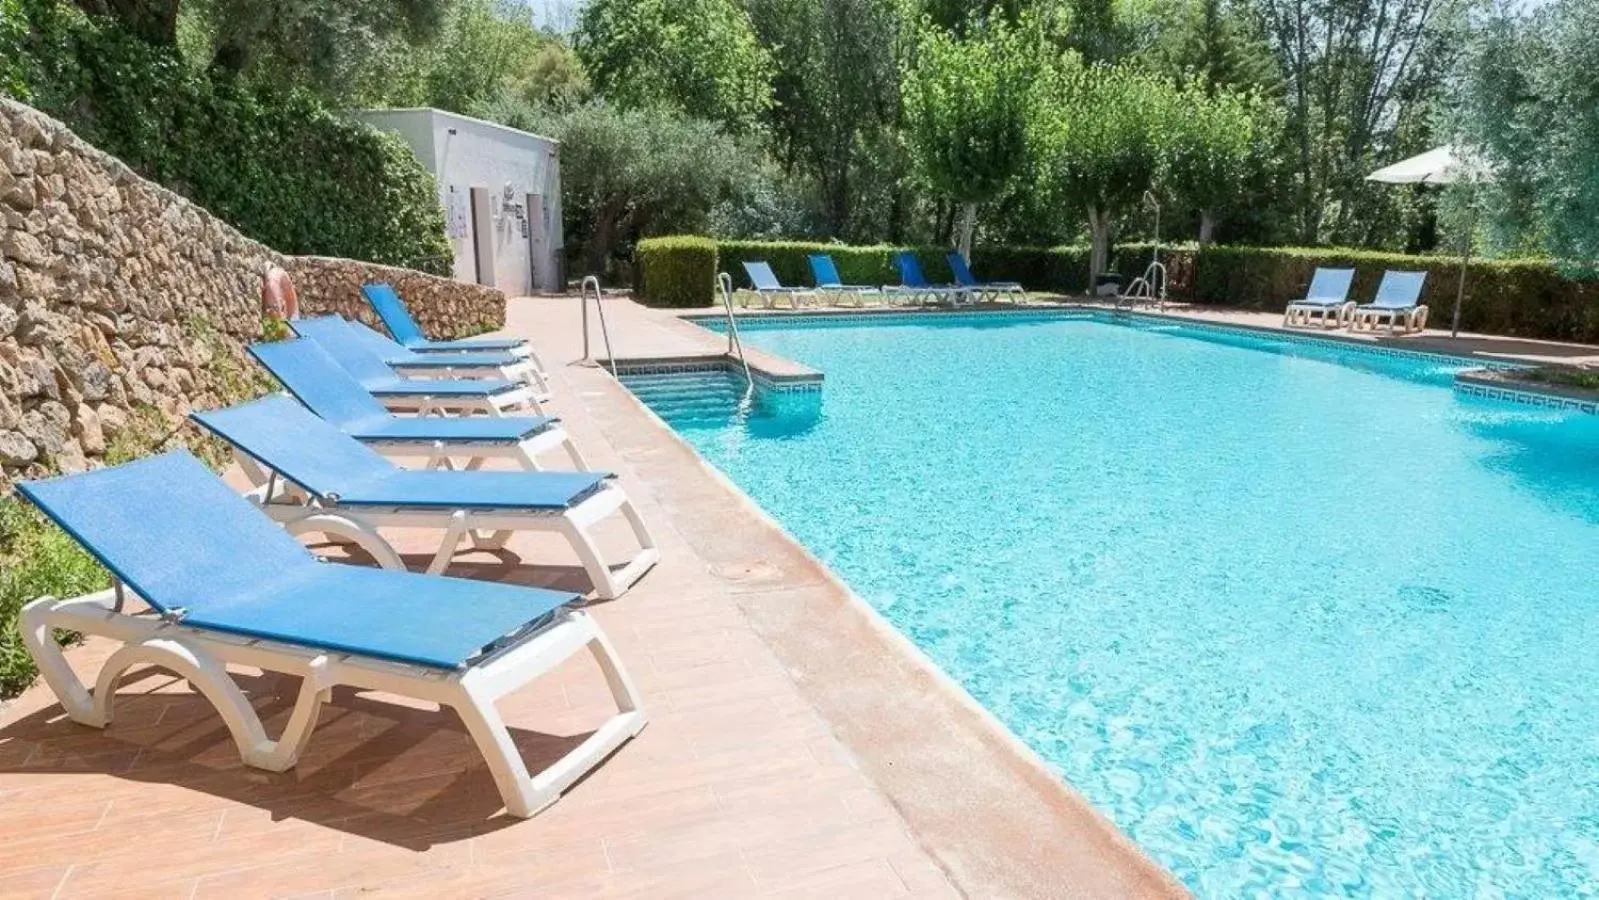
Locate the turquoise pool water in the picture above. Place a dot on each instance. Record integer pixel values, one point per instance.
(1303, 622)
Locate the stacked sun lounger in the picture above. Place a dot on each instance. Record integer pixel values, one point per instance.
(205, 577)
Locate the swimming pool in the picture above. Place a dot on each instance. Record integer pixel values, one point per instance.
(1300, 619)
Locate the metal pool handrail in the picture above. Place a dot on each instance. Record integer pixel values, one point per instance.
(735, 345)
(599, 306)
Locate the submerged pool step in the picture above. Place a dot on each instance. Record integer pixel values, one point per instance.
(689, 397)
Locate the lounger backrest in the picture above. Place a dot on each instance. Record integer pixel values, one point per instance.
(1399, 290)
(823, 270)
(958, 267)
(762, 276)
(391, 309)
(172, 531)
(333, 334)
(910, 269)
(288, 438)
(1330, 284)
(378, 342)
(318, 381)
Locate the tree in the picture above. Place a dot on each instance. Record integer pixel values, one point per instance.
(1097, 136)
(967, 105)
(697, 56)
(1527, 103)
(837, 102)
(627, 174)
(1358, 75)
(1213, 141)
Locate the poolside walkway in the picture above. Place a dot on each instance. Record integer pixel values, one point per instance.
(796, 746)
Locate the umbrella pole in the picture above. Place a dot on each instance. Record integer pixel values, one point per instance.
(1465, 260)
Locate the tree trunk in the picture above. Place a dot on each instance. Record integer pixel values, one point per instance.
(1099, 245)
(968, 224)
(1207, 228)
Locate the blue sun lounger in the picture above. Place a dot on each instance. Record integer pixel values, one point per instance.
(989, 290)
(1397, 302)
(312, 477)
(1326, 301)
(386, 302)
(769, 289)
(317, 381)
(494, 396)
(914, 286)
(825, 274)
(204, 581)
(451, 365)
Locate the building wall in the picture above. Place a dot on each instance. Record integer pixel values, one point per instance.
(522, 236)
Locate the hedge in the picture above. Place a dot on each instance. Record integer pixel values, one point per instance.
(1519, 298)
(277, 164)
(677, 271)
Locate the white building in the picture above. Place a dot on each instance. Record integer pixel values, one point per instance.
(501, 193)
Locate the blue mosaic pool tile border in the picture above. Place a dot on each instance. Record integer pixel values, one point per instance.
(1526, 398)
(763, 382)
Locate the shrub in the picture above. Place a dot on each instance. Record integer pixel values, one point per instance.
(276, 164)
(677, 271)
(36, 559)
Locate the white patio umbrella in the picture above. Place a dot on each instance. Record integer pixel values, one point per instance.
(1441, 165)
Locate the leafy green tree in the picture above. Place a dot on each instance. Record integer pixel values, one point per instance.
(1098, 137)
(1529, 106)
(13, 29)
(837, 97)
(1218, 43)
(698, 56)
(1212, 142)
(627, 174)
(967, 105)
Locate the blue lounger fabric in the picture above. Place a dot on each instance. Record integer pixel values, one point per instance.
(397, 318)
(399, 355)
(965, 278)
(1398, 290)
(182, 540)
(1328, 287)
(333, 334)
(312, 453)
(317, 380)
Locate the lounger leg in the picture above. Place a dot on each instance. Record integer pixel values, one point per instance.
(210, 677)
(452, 538)
(34, 623)
(348, 529)
(526, 795)
(609, 585)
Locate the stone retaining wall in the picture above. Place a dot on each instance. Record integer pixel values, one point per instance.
(444, 308)
(123, 305)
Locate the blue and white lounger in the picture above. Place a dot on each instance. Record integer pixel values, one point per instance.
(312, 477)
(397, 319)
(317, 381)
(915, 287)
(1326, 301)
(769, 289)
(218, 583)
(827, 281)
(452, 365)
(494, 396)
(1397, 302)
(985, 290)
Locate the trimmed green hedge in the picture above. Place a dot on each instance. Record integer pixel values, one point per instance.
(677, 271)
(278, 165)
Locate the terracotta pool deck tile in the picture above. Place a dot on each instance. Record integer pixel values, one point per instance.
(39, 881)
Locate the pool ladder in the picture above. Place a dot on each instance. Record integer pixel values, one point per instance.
(735, 345)
(599, 308)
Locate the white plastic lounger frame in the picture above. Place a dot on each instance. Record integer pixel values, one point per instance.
(301, 514)
(797, 297)
(524, 372)
(516, 400)
(1398, 319)
(202, 657)
(1303, 314)
(443, 454)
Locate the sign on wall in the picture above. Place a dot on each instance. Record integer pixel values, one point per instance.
(457, 219)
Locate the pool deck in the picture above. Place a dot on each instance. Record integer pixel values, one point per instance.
(797, 745)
